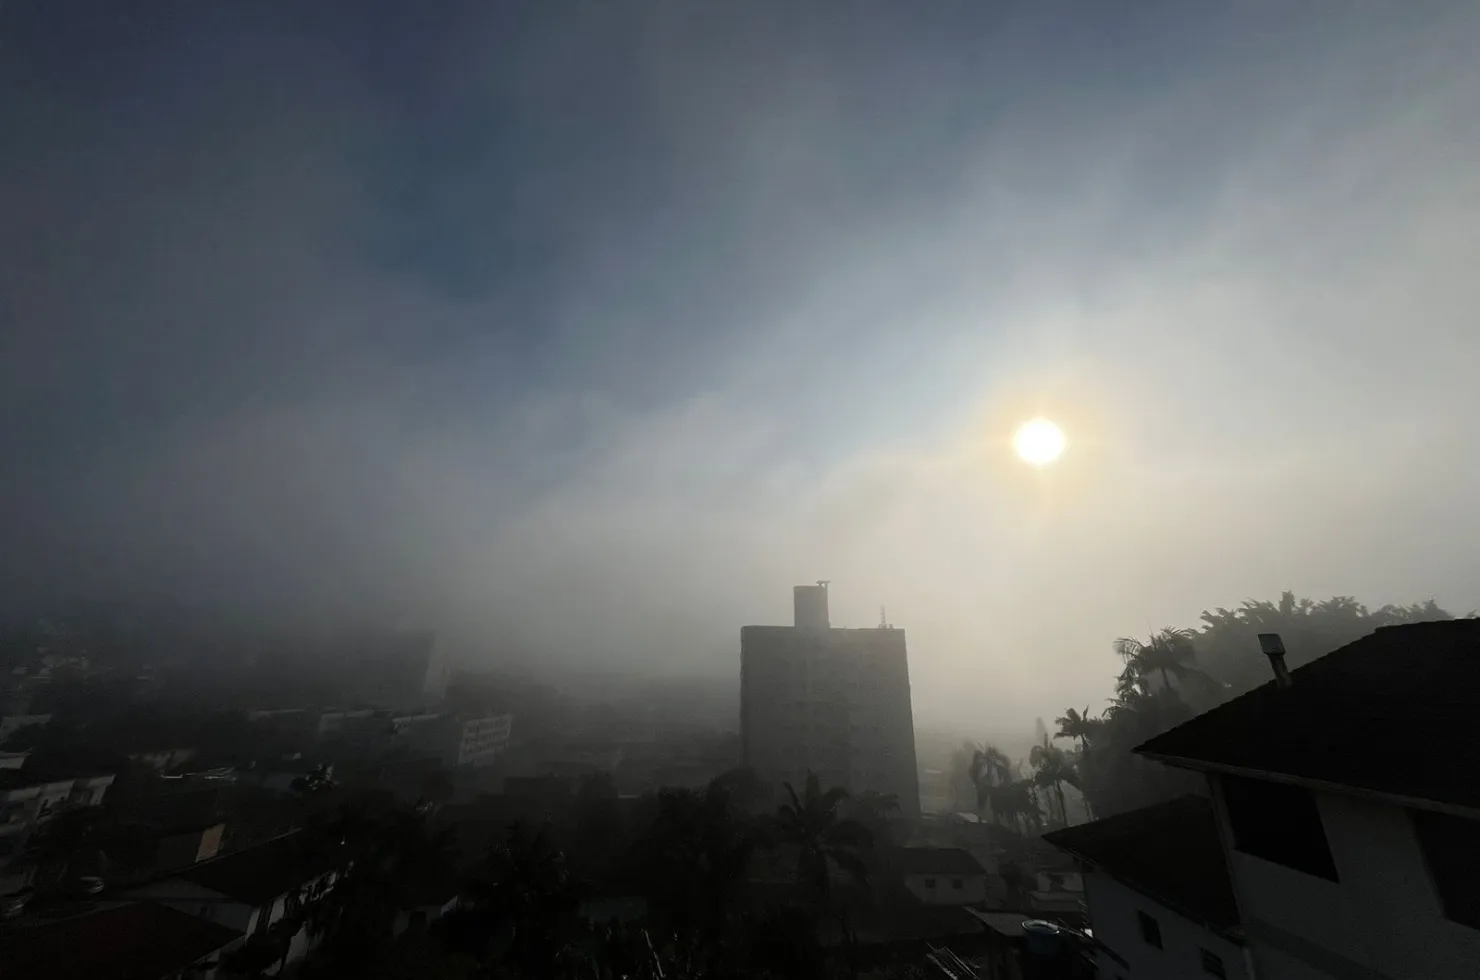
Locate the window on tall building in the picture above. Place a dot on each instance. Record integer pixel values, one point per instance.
(1150, 929)
(1212, 964)
(1278, 823)
(1451, 849)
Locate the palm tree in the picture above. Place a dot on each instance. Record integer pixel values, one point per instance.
(1052, 768)
(1017, 802)
(1168, 654)
(990, 768)
(525, 898)
(1077, 725)
(823, 838)
(695, 855)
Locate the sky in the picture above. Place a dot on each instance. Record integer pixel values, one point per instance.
(583, 331)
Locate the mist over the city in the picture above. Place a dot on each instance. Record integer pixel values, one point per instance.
(704, 490)
(581, 334)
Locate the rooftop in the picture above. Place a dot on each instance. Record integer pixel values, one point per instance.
(257, 874)
(1009, 924)
(1354, 719)
(1170, 852)
(142, 941)
(938, 861)
(24, 778)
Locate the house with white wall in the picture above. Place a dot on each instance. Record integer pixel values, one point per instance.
(1348, 808)
(1160, 901)
(249, 890)
(29, 799)
(943, 875)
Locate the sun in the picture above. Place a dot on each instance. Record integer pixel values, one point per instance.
(1039, 442)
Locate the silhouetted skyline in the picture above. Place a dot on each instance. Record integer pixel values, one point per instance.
(581, 334)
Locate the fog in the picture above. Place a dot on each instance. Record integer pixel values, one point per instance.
(583, 334)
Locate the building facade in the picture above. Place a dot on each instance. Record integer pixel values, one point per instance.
(456, 740)
(1157, 893)
(27, 802)
(834, 702)
(249, 891)
(1346, 859)
(1145, 940)
(402, 670)
(944, 876)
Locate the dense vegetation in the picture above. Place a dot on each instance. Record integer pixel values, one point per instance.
(527, 900)
(1164, 680)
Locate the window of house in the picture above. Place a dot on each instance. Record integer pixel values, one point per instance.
(1451, 849)
(1212, 964)
(1150, 929)
(1278, 823)
(957, 884)
(929, 882)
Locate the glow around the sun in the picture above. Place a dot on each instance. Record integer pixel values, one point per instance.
(1039, 442)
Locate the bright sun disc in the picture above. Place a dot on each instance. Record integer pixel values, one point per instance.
(1039, 442)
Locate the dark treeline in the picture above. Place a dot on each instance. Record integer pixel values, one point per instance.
(678, 886)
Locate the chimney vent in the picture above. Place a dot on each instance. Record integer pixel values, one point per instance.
(1274, 649)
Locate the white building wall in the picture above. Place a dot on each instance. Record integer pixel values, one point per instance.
(942, 890)
(480, 741)
(1383, 916)
(302, 943)
(1112, 913)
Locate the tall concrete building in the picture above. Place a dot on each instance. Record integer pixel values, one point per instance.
(831, 701)
(403, 669)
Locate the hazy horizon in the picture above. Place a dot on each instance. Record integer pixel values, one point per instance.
(584, 335)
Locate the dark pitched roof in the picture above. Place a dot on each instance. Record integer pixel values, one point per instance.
(1170, 852)
(26, 778)
(142, 941)
(1355, 718)
(1009, 924)
(938, 861)
(257, 874)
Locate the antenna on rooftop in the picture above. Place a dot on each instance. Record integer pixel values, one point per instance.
(823, 583)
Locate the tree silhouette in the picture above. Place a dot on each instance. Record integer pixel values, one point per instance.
(1076, 725)
(524, 903)
(1169, 655)
(823, 838)
(1309, 629)
(990, 769)
(1052, 768)
(694, 856)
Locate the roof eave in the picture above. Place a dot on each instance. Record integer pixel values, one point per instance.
(1318, 785)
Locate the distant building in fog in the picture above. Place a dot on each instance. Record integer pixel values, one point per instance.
(456, 741)
(402, 669)
(831, 701)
